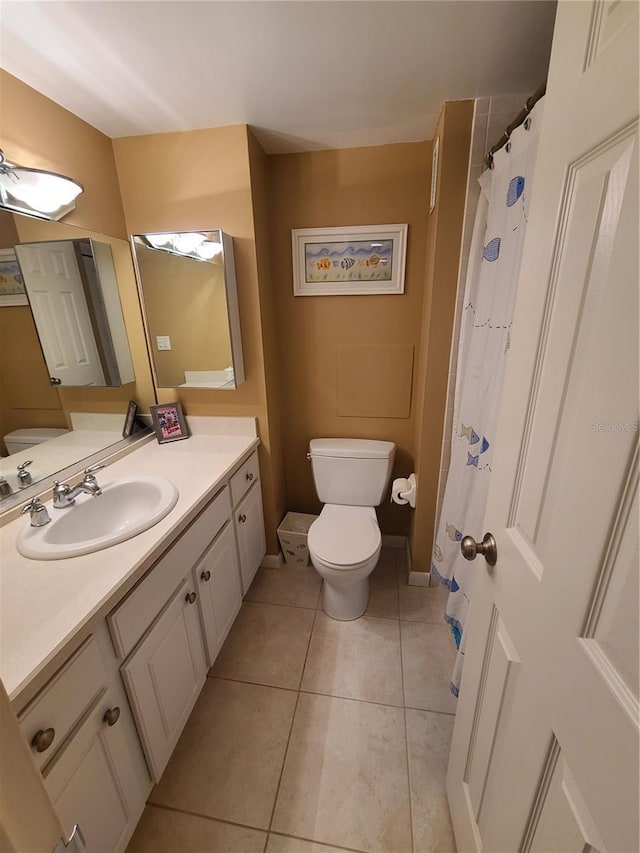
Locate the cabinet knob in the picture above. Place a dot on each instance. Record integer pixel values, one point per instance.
(249, 476)
(242, 518)
(190, 597)
(43, 739)
(206, 576)
(112, 716)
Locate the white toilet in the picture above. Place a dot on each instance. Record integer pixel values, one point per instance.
(351, 477)
(23, 439)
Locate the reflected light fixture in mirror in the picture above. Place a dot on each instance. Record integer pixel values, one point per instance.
(36, 192)
(188, 293)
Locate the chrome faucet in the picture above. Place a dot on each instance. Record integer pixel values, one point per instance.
(39, 514)
(64, 495)
(24, 477)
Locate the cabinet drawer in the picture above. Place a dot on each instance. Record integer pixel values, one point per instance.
(244, 478)
(128, 622)
(61, 703)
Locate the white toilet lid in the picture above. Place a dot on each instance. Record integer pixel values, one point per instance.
(345, 535)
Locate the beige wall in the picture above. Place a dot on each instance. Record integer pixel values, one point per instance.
(442, 261)
(36, 131)
(186, 300)
(357, 186)
(201, 180)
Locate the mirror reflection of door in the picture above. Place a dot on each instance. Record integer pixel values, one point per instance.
(52, 280)
(72, 292)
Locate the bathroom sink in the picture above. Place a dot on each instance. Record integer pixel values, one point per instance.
(125, 508)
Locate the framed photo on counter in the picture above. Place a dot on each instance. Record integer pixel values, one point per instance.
(168, 422)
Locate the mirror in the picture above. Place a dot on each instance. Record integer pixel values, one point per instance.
(73, 295)
(93, 417)
(188, 292)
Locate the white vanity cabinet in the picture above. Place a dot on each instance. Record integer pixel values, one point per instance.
(165, 675)
(217, 579)
(83, 738)
(104, 725)
(171, 626)
(248, 519)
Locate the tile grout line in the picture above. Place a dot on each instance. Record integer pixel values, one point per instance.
(293, 718)
(311, 841)
(406, 728)
(205, 816)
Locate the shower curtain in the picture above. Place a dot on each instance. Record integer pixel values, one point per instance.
(489, 299)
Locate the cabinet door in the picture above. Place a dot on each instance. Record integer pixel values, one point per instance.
(249, 523)
(165, 675)
(218, 579)
(92, 780)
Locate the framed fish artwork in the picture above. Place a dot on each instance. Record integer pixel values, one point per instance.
(365, 259)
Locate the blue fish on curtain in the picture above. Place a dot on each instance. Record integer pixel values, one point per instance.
(490, 292)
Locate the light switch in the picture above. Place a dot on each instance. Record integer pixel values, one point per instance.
(163, 342)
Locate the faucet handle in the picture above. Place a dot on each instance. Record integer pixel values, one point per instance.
(24, 477)
(39, 514)
(23, 465)
(91, 470)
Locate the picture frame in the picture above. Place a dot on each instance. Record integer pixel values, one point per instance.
(364, 259)
(168, 422)
(12, 289)
(130, 418)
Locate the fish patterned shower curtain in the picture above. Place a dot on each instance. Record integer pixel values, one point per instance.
(489, 299)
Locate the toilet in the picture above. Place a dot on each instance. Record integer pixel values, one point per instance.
(351, 478)
(23, 439)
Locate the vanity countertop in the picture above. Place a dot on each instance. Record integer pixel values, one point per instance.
(44, 604)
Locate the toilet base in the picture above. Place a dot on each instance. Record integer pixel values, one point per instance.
(345, 603)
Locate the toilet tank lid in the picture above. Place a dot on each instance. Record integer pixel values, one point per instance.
(359, 448)
(34, 434)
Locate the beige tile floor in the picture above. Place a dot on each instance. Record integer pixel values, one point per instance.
(316, 736)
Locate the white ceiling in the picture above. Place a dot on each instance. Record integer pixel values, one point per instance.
(306, 75)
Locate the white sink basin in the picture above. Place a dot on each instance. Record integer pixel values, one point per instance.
(125, 508)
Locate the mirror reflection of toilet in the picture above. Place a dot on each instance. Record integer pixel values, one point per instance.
(351, 477)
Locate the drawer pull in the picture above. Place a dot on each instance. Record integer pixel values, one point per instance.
(112, 716)
(206, 576)
(242, 518)
(190, 597)
(249, 476)
(43, 739)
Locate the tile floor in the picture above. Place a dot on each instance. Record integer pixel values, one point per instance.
(315, 736)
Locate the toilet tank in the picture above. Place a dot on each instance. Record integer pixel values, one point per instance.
(351, 471)
(23, 439)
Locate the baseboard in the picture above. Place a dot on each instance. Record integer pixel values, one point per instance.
(419, 578)
(394, 541)
(272, 561)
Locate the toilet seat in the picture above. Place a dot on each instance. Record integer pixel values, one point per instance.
(345, 538)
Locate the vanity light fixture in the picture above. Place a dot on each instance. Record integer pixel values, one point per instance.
(36, 192)
(191, 244)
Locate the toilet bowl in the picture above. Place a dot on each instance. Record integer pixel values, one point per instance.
(344, 546)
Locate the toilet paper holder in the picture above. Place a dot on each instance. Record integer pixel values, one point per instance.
(403, 491)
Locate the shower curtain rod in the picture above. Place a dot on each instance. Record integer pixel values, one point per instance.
(518, 120)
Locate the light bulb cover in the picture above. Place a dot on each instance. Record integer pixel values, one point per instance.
(37, 192)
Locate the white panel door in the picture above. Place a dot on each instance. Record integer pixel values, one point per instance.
(249, 522)
(217, 578)
(164, 677)
(92, 781)
(59, 306)
(545, 747)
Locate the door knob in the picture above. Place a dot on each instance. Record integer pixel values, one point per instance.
(190, 597)
(112, 716)
(488, 548)
(206, 576)
(55, 381)
(43, 739)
